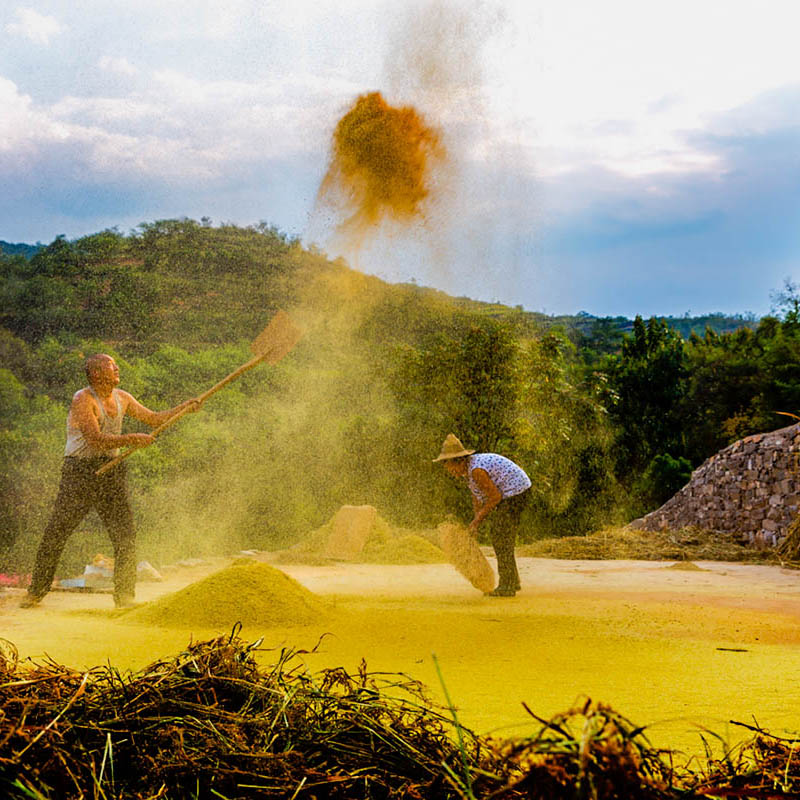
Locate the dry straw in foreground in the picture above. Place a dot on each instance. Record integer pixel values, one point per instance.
(213, 723)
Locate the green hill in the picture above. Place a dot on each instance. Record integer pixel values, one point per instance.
(355, 414)
(25, 250)
(181, 278)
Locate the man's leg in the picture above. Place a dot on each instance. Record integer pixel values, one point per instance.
(72, 504)
(114, 509)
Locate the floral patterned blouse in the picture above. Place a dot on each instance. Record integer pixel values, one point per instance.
(509, 478)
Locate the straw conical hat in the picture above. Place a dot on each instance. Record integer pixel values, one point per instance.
(452, 448)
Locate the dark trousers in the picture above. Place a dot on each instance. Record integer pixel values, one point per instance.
(79, 492)
(503, 529)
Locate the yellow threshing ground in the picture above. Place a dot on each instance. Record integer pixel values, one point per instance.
(671, 648)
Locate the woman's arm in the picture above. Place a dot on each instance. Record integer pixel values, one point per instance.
(492, 494)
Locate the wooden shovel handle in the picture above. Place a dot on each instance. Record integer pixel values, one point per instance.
(114, 461)
(271, 345)
(226, 380)
(125, 453)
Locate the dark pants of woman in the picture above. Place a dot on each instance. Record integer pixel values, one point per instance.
(503, 528)
(80, 491)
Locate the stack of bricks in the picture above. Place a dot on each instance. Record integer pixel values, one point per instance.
(751, 487)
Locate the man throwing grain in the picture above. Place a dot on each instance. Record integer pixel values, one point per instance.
(94, 436)
(499, 487)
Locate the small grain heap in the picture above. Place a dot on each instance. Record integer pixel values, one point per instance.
(250, 592)
(359, 534)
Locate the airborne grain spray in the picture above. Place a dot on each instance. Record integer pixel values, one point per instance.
(380, 167)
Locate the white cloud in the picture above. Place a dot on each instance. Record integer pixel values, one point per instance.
(561, 71)
(119, 66)
(103, 111)
(32, 25)
(172, 126)
(22, 126)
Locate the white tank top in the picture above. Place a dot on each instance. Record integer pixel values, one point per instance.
(78, 447)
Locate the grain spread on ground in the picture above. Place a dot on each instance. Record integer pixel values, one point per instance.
(251, 593)
(666, 646)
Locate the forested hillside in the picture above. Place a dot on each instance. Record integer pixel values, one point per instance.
(19, 249)
(607, 423)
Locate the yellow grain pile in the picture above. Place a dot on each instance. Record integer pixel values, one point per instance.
(465, 555)
(309, 550)
(359, 534)
(406, 548)
(251, 593)
(350, 529)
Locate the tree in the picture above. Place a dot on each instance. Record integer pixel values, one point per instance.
(649, 379)
(562, 428)
(786, 301)
(739, 381)
(605, 338)
(463, 381)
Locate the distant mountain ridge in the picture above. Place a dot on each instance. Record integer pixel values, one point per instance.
(718, 322)
(583, 323)
(20, 249)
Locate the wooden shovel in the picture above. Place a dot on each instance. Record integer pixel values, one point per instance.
(271, 345)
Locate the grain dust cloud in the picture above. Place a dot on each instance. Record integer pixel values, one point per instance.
(411, 191)
(381, 163)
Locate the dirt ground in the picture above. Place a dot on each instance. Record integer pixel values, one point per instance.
(683, 650)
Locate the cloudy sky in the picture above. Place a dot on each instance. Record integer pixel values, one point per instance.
(617, 157)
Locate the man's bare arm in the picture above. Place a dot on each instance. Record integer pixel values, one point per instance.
(154, 418)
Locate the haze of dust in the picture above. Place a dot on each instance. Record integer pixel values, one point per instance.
(317, 426)
(464, 233)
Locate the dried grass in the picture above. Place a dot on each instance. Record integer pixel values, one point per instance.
(212, 722)
(687, 544)
(789, 548)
